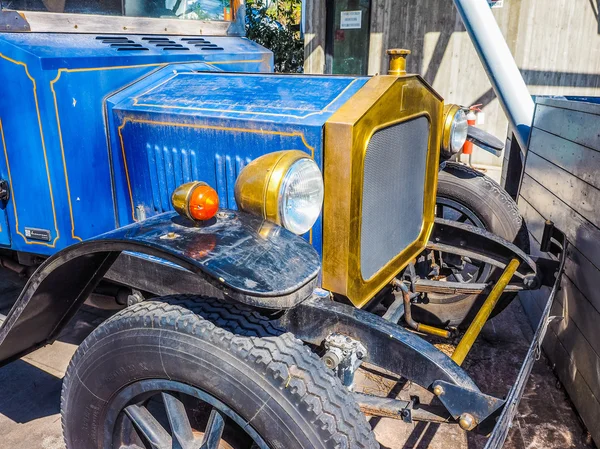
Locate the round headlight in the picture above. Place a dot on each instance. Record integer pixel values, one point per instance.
(301, 196)
(285, 187)
(458, 134)
(455, 129)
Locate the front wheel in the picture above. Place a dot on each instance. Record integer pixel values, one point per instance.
(162, 374)
(470, 197)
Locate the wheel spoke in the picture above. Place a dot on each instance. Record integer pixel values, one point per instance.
(463, 218)
(214, 430)
(149, 427)
(459, 277)
(179, 422)
(439, 211)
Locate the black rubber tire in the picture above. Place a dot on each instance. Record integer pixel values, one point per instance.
(499, 214)
(242, 359)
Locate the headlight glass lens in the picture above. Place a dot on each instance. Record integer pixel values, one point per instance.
(301, 196)
(458, 132)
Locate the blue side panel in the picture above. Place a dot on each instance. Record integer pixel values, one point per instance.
(24, 145)
(53, 117)
(83, 148)
(179, 125)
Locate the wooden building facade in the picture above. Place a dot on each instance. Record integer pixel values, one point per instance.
(556, 43)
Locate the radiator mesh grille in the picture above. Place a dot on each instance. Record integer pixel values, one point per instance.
(392, 202)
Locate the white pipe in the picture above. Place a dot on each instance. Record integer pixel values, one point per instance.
(499, 64)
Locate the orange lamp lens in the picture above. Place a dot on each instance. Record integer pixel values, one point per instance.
(203, 203)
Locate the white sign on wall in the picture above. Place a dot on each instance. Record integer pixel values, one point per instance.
(350, 20)
(496, 3)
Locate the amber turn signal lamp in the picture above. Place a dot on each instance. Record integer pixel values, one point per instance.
(195, 200)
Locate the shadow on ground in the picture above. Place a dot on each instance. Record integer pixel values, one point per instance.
(29, 392)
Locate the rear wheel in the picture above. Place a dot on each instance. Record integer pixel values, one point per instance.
(470, 197)
(163, 374)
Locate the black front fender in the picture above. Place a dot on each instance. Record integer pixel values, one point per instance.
(250, 260)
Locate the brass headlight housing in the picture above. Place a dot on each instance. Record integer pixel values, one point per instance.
(455, 129)
(285, 187)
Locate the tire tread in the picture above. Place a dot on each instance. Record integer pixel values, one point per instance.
(277, 356)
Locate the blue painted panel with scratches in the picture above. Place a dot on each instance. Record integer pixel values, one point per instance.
(56, 152)
(180, 125)
(97, 134)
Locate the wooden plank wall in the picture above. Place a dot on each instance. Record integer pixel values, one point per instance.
(314, 36)
(561, 183)
(545, 36)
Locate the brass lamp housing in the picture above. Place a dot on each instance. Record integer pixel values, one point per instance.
(258, 185)
(180, 199)
(450, 111)
(383, 101)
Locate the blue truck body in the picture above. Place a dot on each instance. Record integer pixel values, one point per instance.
(184, 123)
(57, 154)
(98, 130)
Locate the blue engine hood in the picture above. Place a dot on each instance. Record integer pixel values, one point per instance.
(184, 123)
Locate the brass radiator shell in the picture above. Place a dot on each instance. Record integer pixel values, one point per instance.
(384, 101)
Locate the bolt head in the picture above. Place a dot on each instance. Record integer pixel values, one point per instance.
(467, 421)
(331, 360)
(438, 390)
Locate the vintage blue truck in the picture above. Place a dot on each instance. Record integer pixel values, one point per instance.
(254, 220)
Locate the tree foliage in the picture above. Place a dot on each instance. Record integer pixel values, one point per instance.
(277, 28)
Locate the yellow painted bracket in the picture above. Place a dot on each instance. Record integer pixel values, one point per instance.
(466, 343)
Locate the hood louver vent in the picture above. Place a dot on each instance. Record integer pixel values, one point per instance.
(201, 43)
(125, 43)
(121, 43)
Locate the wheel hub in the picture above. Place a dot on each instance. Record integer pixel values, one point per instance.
(153, 414)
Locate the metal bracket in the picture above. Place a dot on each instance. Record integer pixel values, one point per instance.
(12, 21)
(344, 355)
(407, 411)
(470, 408)
(547, 270)
(4, 190)
(386, 407)
(388, 345)
(466, 240)
(547, 236)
